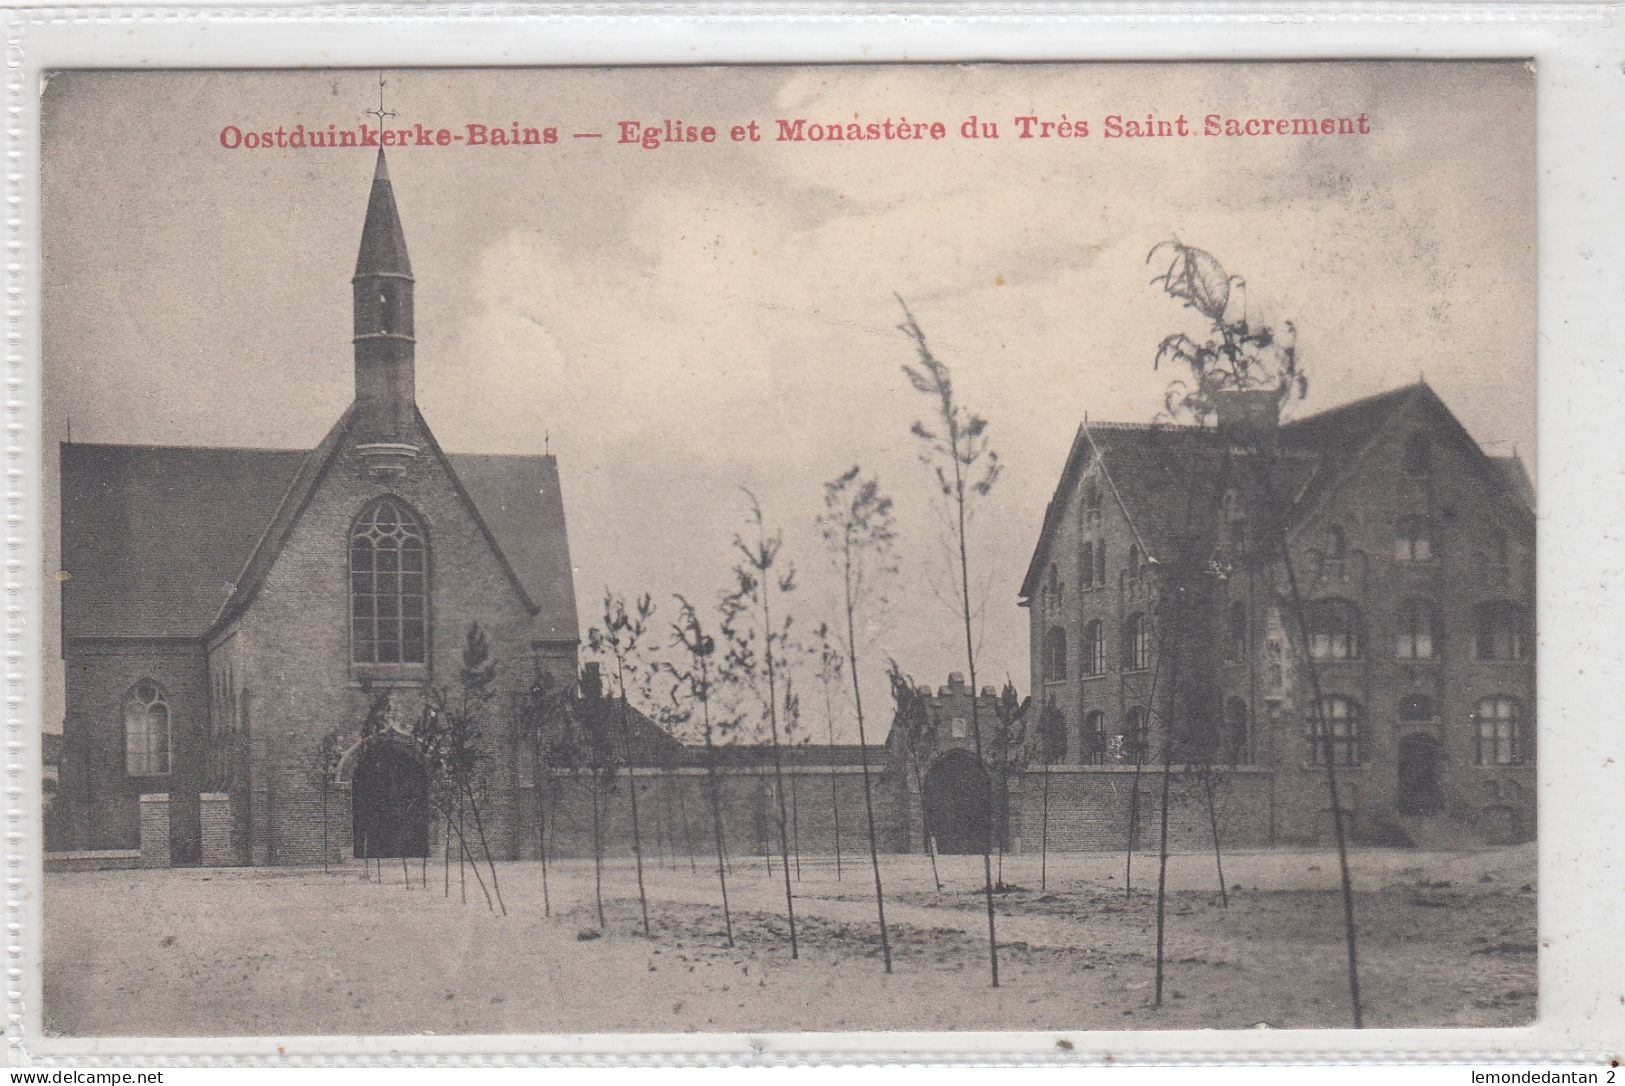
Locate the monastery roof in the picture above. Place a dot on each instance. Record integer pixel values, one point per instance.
(160, 541)
(1149, 469)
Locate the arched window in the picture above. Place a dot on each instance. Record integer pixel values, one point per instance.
(1334, 730)
(1418, 458)
(146, 730)
(1497, 724)
(1086, 565)
(1501, 631)
(1133, 561)
(1136, 643)
(1052, 588)
(1094, 649)
(1336, 543)
(1417, 634)
(1237, 645)
(1413, 539)
(1235, 726)
(1335, 630)
(1100, 562)
(388, 585)
(1091, 499)
(1094, 734)
(1136, 736)
(1415, 707)
(1055, 655)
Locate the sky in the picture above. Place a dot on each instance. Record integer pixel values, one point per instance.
(679, 324)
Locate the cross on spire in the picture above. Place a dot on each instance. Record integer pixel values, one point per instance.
(380, 112)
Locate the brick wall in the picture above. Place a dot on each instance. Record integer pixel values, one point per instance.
(215, 825)
(1093, 808)
(101, 798)
(156, 848)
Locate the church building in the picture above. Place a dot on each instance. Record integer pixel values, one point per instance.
(224, 609)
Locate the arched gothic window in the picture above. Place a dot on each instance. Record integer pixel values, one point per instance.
(146, 730)
(1335, 630)
(1336, 543)
(1136, 643)
(1133, 561)
(1417, 634)
(1086, 565)
(1100, 562)
(1055, 655)
(388, 585)
(1334, 731)
(1094, 649)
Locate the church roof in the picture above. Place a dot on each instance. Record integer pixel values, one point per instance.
(383, 242)
(130, 511)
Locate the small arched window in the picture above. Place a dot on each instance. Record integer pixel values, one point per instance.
(1413, 539)
(1336, 543)
(1091, 498)
(1136, 643)
(1086, 565)
(146, 730)
(1052, 588)
(1133, 561)
(1497, 728)
(1417, 634)
(1501, 631)
(1335, 630)
(1415, 707)
(1094, 649)
(1418, 457)
(1235, 726)
(1236, 646)
(1136, 735)
(1055, 655)
(388, 585)
(1100, 562)
(1334, 730)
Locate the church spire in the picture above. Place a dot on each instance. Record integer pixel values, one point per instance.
(385, 394)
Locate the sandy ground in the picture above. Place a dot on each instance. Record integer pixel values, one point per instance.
(1446, 939)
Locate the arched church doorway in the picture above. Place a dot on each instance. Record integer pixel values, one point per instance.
(958, 803)
(1419, 792)
(389, 804)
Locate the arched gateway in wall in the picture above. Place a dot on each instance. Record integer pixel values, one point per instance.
(389, 797)
(958, 803)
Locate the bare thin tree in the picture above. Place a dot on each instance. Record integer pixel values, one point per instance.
(757, 647)
(618, 639)
(829, 676)
(954, 444)
(695, 680)
(860, 532)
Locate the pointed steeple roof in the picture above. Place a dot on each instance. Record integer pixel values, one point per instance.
(383, 243)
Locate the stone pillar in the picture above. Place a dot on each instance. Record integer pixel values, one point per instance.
(155, 841)
(214, 815)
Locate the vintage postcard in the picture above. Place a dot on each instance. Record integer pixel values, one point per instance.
(789, 548)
